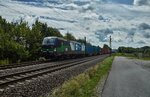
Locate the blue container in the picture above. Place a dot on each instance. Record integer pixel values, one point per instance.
(98, 50)
(89, 49)
(92, 50)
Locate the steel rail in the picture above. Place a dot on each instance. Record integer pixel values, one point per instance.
(21, 76)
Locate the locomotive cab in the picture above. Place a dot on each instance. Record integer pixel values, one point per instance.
(54, 47)
(49, 47)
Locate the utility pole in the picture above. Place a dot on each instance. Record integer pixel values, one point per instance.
(67, 35)
(85, 40)
(85, 44)
(110, 45)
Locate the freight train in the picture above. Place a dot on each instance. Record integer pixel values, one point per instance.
(56, 47)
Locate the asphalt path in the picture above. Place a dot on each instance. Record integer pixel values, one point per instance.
(128, 78)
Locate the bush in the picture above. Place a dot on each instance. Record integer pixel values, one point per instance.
(19, 42)
(4, 62)
(42, 59)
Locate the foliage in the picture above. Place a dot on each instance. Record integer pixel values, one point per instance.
(83, 85)
(143, 51)
(126, 50)
(106, 46)
(19, 42)
(69, 36)
(81, 40)
(3, 62)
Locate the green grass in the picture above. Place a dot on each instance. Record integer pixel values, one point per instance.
(125, 55)
(131, 56)
(4, 62)
(144, 59)
(84, 84)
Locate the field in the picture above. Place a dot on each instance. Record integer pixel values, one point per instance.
(133, 55)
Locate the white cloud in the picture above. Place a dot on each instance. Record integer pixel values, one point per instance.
(84, 17)
(141, 2)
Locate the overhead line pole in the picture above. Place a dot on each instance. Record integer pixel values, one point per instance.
(110, 45)
(85, 44)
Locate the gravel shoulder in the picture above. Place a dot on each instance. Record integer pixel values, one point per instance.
(128, 78)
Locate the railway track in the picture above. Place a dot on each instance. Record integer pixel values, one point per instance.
(21, 76)
(15, 65)
(9, 66)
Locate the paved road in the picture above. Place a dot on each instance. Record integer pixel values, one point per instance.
(128, 78)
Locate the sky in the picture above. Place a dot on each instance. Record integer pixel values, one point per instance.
(126, 21)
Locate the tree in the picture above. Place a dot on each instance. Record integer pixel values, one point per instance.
(19, 42)
(106, 49)
(81, 40)
(69, 36)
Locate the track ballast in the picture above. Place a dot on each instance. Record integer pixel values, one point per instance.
(11, 79)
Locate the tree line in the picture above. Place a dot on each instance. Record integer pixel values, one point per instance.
(21, 42)
(144, 50)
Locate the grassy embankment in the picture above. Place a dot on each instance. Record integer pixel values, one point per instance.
(84, 84)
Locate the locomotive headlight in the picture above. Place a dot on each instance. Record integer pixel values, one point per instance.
(55, 50)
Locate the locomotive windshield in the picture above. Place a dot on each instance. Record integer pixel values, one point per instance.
(49, 41)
